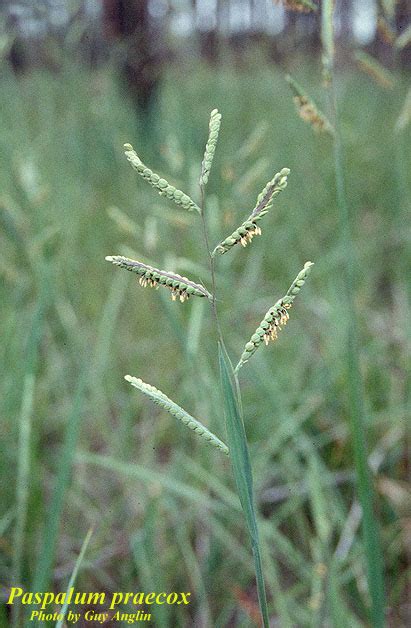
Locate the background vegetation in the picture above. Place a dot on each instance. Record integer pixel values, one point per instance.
(163, 506)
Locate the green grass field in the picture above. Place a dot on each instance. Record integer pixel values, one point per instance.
(81, 448)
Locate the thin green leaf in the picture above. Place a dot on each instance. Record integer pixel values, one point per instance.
(74, 576)
(46, 556)
(240, 461)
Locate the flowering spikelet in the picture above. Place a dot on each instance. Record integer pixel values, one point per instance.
(161, 185)
(403, 40)
(373, 68)
(302, 6)
(308, 110)
(327, 39)
(253, 141)
(385, 31)
(275, 318)
(404, 118)
(214, 128)
(162, 400)
(180, 287)
(249, 228)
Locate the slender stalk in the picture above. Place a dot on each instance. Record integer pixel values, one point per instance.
(23, 482)
(211, 262)
(236, 433)
(355, 385)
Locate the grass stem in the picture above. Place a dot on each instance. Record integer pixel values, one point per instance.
(23, 482)
(238, 447)
(354, 381)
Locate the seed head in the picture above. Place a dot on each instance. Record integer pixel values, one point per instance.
(177, 411)
(301, 6)
(214, 128)
(308, 110)
(163, 187)
(276, 317)
(374, 69)
(249, 228)
(181, 287)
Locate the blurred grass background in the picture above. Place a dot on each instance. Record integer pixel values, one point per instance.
(164, 507)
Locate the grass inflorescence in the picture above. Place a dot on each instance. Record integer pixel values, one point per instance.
(182, 287)
(276, 317)
(250, 227)
(106, 455)
(163, 187)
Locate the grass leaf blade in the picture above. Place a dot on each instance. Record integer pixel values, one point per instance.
(46, 556)
(240, 461)
(73, 576)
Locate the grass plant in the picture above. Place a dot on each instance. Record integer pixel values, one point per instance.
(67, 199)
(181, 286)
(355, 390)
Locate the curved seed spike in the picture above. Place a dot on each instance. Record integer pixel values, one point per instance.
(162, 400)
(327, 39)
(163, 187)
(180, 287)
(249, 228)
(275, 318)
(376, 70)
(385, 31)
(404, 39)
(405, 115)
(214, 128)
(308, 110)
(301, 6)
(253, 141)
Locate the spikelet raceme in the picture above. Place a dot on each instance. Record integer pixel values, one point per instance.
(308, 110)
(385, 31)
(175, 410)
(405, 115)
(373, 68)
(276, 317)
(253, 141)
(301, 6)
(403, 40)
(163, 187)
(249, 228)
(180, 287)
(388, 8)
(327, 39)
(214, 128)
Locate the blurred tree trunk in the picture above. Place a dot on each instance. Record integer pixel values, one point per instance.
(346, 21)
(208, 35)
(402, 21)
(302, 30)
(128, 21)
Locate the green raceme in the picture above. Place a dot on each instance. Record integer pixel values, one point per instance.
(180, 287)
(163, 187)
(162, 400)
(276, 317)
(249, 228)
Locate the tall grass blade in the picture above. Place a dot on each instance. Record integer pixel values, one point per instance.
(46, 555)
(23, 463)
(354, 378)
(151, 574)
(240, 461)
(23, 483)
(73, 576)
